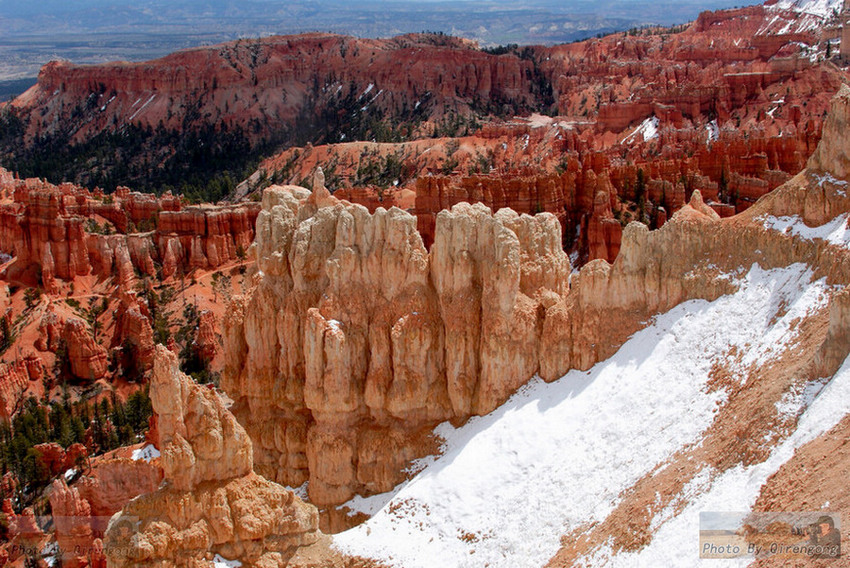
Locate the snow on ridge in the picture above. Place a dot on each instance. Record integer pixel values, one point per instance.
(835, 232)
(508, 485)
(821, 8)
(809, 15)
(147, 453)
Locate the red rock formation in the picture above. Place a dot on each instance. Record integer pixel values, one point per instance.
(47, 227)
(721, 60)
(524, 194)
(205, 237)
(37, 229)
(81, 512)
(731, 160)
(88, 359)
(14, 379)
(72, 522)
(52, 457)
(133, 335)
(205, 344)
(738, 105)
(57, 460)
(603, 231)
(24, 534)
(112, 483)
(372, 198)
(448, 72)
(49, 330)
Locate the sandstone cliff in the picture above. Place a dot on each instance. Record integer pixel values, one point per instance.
(212, 501)
(356, 341)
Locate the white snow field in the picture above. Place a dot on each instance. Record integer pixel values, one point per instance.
(147, 453)
(508, 485)
(647, 130)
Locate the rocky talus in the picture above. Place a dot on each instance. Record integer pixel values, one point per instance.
(211, 502)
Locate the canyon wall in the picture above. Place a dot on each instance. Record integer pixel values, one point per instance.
(264, 85)
(356, 341)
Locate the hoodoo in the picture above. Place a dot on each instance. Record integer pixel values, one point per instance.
(356, 341)
(212, 502)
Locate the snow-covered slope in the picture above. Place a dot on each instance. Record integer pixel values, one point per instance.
(821, 8)
(835, 232)
(646, 131)
(734, 490)
(559, 456)
(810, 15)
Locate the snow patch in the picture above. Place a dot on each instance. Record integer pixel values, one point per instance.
(300, 491)
(830, 179)
(146, 453)
(820, 8)
(370, 505)
(141, 108)
(648, 130)
(221, 562)
(799, 398)
(713, 131)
